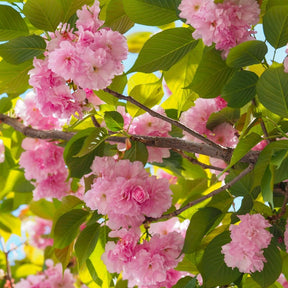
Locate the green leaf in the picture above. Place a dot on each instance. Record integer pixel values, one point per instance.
(272, 268)
(64, 255)
(244, 146)
(80, 166)
(118, 85)
(5, 104)
(201, 222)
(67, 226)
(12, 24)
(275, 23)
(246, 53)
(86, 242)
(163, 50)
(43, 208)
(116, 17)
(97, 136)
(185, 69)
(213, 268)
(186, 282)
(21, 49)
(241, 89)
(47, 15)
(14, 78)
(227, 114)
(151, 12)
(211, 75)
(137, 152)
(149, 95)
(272, 89)
(267, 186)
(114, 120)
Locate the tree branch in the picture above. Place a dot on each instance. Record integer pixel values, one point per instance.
(201, 199)
(34, 133)
(164, 118)
(153, 141)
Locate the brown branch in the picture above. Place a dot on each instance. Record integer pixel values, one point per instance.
(95, 122)
(34, 133)
(153, 141)
(164, 118)
(201, 199)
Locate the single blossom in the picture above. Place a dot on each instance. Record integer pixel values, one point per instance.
(2, 151)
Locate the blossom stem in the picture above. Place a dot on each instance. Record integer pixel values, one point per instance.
(201, 199)
(8, 268)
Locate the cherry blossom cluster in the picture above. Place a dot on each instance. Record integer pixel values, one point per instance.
(77, 62)
(27, 110)
(125, 192)
(52, 277)
(38, 229)
(226, 24)
(2, 151)
(149, 264)
(249, 238)
(197, 116)
(148, 125)
(43, 162)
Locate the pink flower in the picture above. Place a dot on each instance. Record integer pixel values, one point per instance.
(224, 134)
(283, 281)
(286, 237)
(249, 238)
(88, 17)
(124, 191)
(38, 231)
(52, 277)
(29, 112)
(150, 126)
(2, 151)
(226, 24)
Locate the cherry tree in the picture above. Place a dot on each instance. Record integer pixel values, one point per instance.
(168, 173)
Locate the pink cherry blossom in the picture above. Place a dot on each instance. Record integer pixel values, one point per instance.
(27, 110)
(249, 238)
(148, 125)
(286, 236)
(226, 24)
(2, 151)
(283, 281)
(52, 277)
(38, 230)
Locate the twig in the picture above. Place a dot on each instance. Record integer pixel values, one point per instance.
(8, 268)
(201, 199)
(197, 162)
(164, 118)
(34, 133)
(95, 122)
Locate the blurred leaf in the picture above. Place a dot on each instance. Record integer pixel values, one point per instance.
(246, 54)
(241, 89)
(136, 40)
(116, 17)
(179, 76)
(14, 78)
(114, 120)
(86, 242)
(67, 226)
(5, 104)
(47, 15)
(267, 184)
(154, 13)
(200, 223)
(12, 24)
(21, 49)
(163, 50)
(64, 255)
(275, 22)
(43, 208)
(211, 75)
(272, 89)
(147, 94)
